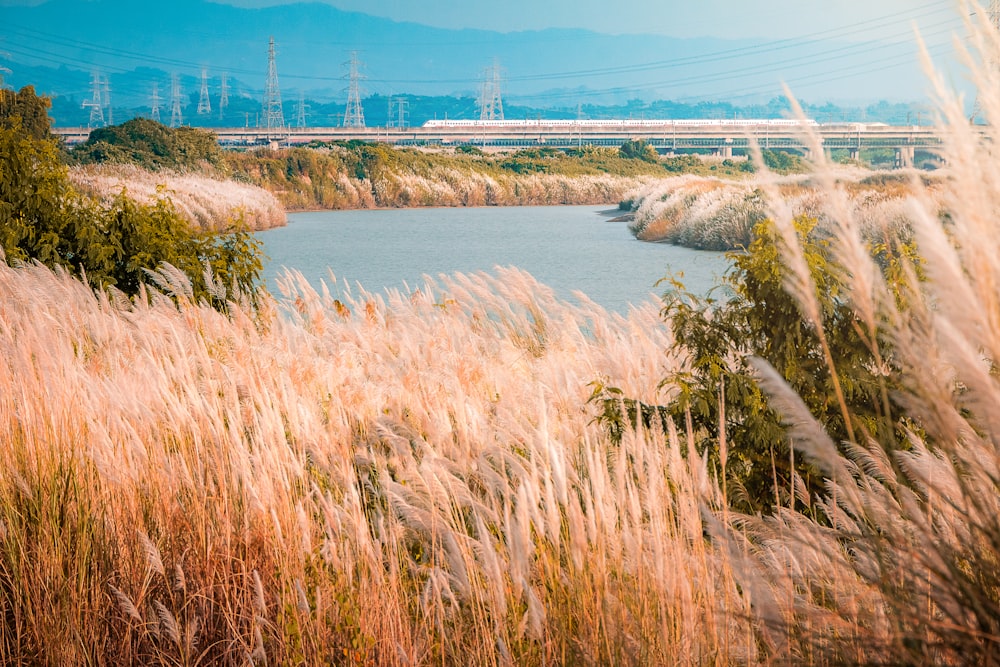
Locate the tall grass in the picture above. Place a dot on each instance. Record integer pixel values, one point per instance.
(720, 214)
(903, 568)
(417, 478)
(398, 479)
(208, 203)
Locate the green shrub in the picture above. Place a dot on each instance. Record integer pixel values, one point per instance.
(43, 218)
(150, 145)
(757, 317)
(638, 149)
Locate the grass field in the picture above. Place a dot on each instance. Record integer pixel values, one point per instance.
(419, 478)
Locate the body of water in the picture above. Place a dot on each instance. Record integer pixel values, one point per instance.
(568, 248)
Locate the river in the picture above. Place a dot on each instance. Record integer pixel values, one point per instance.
(568, 248)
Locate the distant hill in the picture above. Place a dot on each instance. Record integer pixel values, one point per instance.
(56, 44)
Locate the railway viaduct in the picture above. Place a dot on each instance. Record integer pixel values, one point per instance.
(717, 140)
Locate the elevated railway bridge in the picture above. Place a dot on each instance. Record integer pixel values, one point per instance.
(723, 140)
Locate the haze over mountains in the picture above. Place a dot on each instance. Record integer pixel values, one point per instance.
(56, 45)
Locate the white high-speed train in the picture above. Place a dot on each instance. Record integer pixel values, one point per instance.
(625, 124)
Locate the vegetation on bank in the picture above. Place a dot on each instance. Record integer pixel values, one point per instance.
(342, 175)
(114, 242)
(150, 145)
(711, 213)
(360, 175)
(207, 201)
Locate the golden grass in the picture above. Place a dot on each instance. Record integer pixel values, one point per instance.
(399, 479)
(720, 214)
(417, 478)
(208, 203)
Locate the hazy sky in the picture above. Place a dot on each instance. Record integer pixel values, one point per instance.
(680, 18)
(731, 19)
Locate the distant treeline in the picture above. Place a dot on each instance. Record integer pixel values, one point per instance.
(382, 111)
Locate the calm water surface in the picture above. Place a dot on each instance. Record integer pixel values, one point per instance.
(569, 248)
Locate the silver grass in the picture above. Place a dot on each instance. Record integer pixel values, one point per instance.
(168, 623)
(152, 553)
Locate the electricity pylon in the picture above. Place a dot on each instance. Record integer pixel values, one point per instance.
(402, 105)
(490, 100)
(106, 99)
(154, 107)
(993, 12)
(95, 103)
(175, 101)
(274, 117)
(354, 114)
(204, 102)
(224, 95)
(300, 110)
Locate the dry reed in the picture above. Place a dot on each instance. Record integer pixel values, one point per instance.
(208, 203)
(720, 214)
(399, 479)
(416, 478)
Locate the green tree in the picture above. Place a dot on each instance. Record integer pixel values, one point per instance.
(150, 145)
(34, 196)
(43, 218)
(758, 318)
(27, 110)
(638, 149)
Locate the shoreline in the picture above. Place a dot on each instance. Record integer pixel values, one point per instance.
(610, 211)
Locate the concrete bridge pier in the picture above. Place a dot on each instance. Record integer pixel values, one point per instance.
(854, 153)
(904, 156)
(725, 151)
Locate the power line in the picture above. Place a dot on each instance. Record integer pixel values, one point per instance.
(993, 14)
(300, 110)
(224, 95)
(154, 111)
(106, 99)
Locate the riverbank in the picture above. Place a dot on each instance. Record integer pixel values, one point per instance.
(209, 203)
(707, 213)
(377, 176)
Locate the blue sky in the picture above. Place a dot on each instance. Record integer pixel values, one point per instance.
(732, 19)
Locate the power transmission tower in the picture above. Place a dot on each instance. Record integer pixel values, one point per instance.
(402, 105)
(354, 115)
(224, 95)
(175, 102)
(274, 117)
(993, 13)
(154, 110)
(106, 87)
(300, 110)
(204, 103)
(490, 101)
(95, 102)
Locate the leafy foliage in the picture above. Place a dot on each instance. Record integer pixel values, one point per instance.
(780, 162)
(26, 109)
(638, 149)
(758, 318)
(150, 145)
(43, 218)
